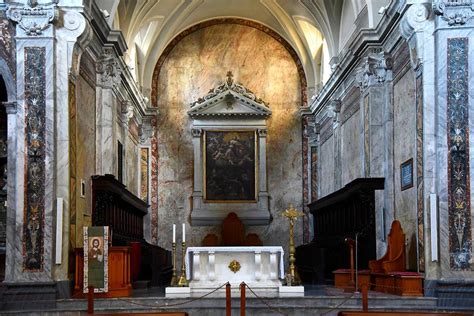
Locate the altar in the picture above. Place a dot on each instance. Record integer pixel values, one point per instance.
(261, 268)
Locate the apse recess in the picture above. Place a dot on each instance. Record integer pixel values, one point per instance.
(198, 63)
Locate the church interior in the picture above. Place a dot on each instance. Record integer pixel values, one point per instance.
(157, 150)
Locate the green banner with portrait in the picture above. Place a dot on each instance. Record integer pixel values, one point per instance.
(96, 255)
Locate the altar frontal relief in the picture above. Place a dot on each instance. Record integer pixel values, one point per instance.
(230, 166)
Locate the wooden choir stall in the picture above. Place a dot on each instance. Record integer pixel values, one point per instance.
(337, 216)
(131, 259)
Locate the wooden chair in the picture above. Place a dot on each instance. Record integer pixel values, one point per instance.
(232, 231)
(394, 258)
(252, 239)
(210, 240)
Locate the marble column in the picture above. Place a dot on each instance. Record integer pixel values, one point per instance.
(198, 176)
(108, 77)
(373, 78)
(30, 255)
(262, 171)
(417, 28)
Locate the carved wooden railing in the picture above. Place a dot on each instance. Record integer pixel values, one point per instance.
(114, 206)
(340, 215)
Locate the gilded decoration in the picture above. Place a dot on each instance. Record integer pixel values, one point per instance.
(35, 91)
(234, 266)
(459, 209)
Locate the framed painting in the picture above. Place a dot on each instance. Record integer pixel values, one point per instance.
(96, 258)
(230, 166)
(406, 174)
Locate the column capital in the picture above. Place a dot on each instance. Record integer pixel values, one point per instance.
(11, 107)
(146, 130)
(374, 69)
(412, 25)
(108, 68)
(197, 132)
(33, 19)
(454, 13)
(127, 111)
(262, 132)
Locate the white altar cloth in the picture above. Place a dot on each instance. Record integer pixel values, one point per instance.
(194, 267)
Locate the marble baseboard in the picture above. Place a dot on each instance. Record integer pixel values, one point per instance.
(26, 296)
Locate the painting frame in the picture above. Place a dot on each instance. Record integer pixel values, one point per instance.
(406, 174)
(255, 166)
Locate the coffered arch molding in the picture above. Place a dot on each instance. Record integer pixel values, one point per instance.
(244, 22)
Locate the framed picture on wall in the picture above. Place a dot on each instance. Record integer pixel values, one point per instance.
(406, 174)
(230, 166)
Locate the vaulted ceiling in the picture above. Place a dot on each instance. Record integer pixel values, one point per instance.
(316, 29)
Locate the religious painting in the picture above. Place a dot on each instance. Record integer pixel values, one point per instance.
(96, 240)
(406, 174)
(144, 179)
(230, 166)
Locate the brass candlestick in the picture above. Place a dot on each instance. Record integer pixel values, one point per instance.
(292, 214)
(182, 278)
(174, 278)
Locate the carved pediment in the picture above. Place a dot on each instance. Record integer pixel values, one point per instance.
(229, 99)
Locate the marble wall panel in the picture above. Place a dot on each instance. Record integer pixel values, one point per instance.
(131, 165)
(460, 230)
(85, 149)
(350, 149)
(327, 167)
(198, 63)
(35, 177)
(404, 121)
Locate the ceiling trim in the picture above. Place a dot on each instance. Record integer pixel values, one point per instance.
(239, 21)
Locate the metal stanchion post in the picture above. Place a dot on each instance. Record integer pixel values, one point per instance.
(242, 299)
(228, 311)
(90, 300)
(365, 297)
(356, 264)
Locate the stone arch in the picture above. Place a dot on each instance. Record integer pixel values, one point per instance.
(249, 23)
(8, 79)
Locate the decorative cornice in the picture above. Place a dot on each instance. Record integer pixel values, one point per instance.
(108, 68)
(454, 12)
(239, 101)
(229, 84)
(374, 70)
(33, 19)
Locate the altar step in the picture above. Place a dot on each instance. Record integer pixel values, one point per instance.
(312, 305)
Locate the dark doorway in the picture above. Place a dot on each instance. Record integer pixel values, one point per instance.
(3, 177)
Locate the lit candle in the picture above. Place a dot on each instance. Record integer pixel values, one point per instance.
(174, 233)
(184, 233)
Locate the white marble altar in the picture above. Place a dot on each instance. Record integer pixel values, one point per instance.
(261, 268)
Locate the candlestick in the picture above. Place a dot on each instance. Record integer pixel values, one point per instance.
(292, 214)
(184, 233)
(183, 282)
(174, 278)
(174, 233)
